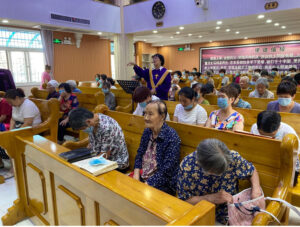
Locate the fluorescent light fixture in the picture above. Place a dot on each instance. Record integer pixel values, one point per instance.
(145, 40)
(261, 16)
(227, 30)
(283, 27)
(237, 32)
(290, 33)
(190, 34)
(219, 22)
(245, 37)
(177, 32)
(99, 33)
(36, 26)
(5, 21)
(172, 37)
(155, 31)
(200, 36)
(276, 24)
(181, 28)
(269, 21)
(218, 27)
(161, 45)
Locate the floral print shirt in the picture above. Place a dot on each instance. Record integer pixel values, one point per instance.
(67, 105)
(227, 124)
(167, 158)
(192, 181)
(149, 164)
(243, 104)
(110, 138)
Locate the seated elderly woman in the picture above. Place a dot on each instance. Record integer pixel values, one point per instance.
(254, 78)
(286, 92)
(226, 118)
(212, 173)
(261, 90)
(109, 99)
(68, 101)
(105, 135)
(73, 86)
(142, 96)
(269, 124)
(51, 88)
(244, 83)
(201, 91)
(157, 159)
(24, 112)
(240, 103)
(189, 111)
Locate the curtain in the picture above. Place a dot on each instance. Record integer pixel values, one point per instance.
(47, 41)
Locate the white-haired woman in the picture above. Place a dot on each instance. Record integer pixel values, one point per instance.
(261, 90)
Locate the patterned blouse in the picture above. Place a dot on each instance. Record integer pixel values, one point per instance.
(110, 137)
(243, 104)
(192, 181)
(67, 105)
(167, 158)
(227, 124)
(149, 164)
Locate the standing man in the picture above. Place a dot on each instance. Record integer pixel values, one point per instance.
(158, 79)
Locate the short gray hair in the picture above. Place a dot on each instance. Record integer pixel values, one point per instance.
(245, 78)
(263, 81)
(213, 156)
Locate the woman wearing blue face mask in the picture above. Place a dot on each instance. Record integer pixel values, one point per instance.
(188, 111)
(105, 135)
(141, 96)
(225, 79)
(192, 79)
(226, 118)
(110, 99)
(286, 92)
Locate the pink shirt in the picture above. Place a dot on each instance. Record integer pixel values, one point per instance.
(45, 76)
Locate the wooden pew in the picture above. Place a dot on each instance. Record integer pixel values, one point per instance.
(91, 84)
(52, 191)
(122, 98)
(275, 173)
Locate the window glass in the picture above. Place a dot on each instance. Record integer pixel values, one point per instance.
(18, 64)
(37, 66)
(3, 60)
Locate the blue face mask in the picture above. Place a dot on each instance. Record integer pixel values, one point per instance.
(198, 96)
(252, 83)
(273, 73)
(183, 73)
(143, 104)
(189, 107)
(97, 79)
(237, 74)
(175, 76)
(205, 77)
(284, 101)
(221, 74)
(89, 130)
(222, 103)
(191, 78)
(105, 90)
(61, 91)
(100, 81)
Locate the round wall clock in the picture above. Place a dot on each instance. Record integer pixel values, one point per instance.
(158, 10)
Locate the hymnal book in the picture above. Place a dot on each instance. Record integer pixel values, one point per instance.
(96, 170)
(77, 155)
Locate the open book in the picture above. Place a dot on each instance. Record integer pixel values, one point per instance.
(96, 169)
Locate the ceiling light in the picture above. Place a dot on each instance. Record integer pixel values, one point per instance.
(290, 33)
(269, 21)
(99, 33)
(145, 40)
(172, 37)
(200, 36)
(161, 45)
(218, 27)
(261, 16)
(219, 22)
(190, 34)
(245, 37)
(227, 30)
(276, 24)
(36, 26)
(155, 31)
(210, 41)
(237, 32)
(283, 27)
(177, 33)
(181, 27)
(5, 21)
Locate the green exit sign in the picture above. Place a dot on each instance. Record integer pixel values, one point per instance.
(180, 49)
(57, 41)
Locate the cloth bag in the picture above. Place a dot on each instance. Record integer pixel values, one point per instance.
(244, 208)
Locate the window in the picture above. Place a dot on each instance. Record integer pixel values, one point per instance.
(22, 53)
(112, 59)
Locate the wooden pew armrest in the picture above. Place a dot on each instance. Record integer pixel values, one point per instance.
(125, 109)
(75, 145)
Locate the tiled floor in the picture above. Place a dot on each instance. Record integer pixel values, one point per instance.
(8, 195)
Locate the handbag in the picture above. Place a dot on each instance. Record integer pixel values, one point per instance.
(244, 208)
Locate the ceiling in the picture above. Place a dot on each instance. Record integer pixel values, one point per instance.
(248, 26)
